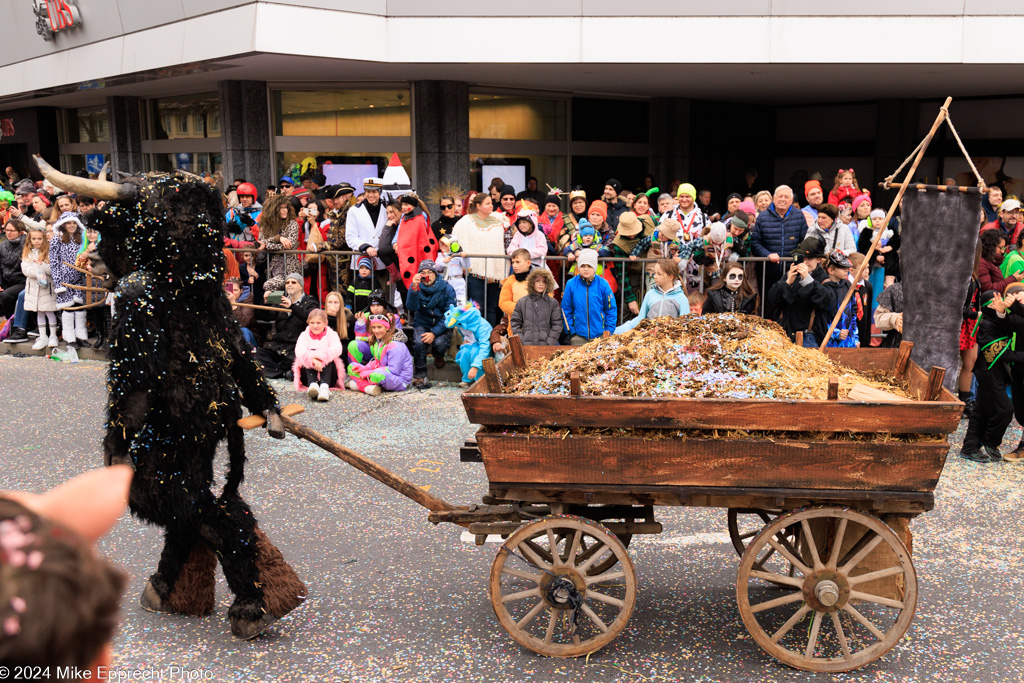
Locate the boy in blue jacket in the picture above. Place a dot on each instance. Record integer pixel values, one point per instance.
(588, 302)
(429, 300)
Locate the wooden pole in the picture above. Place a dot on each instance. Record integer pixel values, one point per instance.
(491, 374)
(903, 359)
(94, 304)
(800, 339)
(364, 465)
(833, 388)
(83, 288)
(574, 383)
(515, 344)
(935, 377)
(963, 189)
(276, 309)
(943, 113)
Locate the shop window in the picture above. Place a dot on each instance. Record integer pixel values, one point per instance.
(342, 113)
(515, 170)
(87, 124)
(350, 167)
(185, 117)
(500, 117)
(193, 162)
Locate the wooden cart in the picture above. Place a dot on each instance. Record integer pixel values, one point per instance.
(825, 581)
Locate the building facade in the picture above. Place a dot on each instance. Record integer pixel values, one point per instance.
(569, 91)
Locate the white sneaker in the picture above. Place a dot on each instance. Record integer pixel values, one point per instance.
(352, 384)
(53, 340)
(314, 391)
(40, 343)
(373, 390)
(325, 393)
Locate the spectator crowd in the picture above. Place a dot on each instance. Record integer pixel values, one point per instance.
(361, 290)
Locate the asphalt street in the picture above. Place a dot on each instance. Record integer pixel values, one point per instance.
(394, 598)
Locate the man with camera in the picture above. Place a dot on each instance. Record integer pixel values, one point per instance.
(793, 296)
(243, 218)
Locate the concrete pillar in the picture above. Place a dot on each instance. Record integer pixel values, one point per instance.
(440, 135)
(670, 139)
(125, 134)
(245, 132)
(896, 136)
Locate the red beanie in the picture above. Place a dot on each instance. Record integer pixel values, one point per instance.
(861, 198)
(599, 206)
(809, 184)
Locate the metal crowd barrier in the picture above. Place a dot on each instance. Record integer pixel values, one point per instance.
(341, 260)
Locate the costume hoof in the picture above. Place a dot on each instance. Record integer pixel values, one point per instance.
(247, 629)
(275, 427)
(152, 602)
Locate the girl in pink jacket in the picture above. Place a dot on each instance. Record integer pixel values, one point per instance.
(318, 366)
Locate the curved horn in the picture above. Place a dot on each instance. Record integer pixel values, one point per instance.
(98, 189)
(188, 174)
(103, 171)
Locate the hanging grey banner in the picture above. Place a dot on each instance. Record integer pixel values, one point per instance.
(938, 239)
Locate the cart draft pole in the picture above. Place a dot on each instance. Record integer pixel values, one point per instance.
(943, 115)
(364, 465)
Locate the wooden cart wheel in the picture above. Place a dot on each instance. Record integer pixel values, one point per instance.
(544, 592)
(833, 618)
(745, 523)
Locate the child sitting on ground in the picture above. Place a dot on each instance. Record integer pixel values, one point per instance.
(380, 363)
(476, 334)
(243, 316)
(318, 364)
(379, 305)
(451, 265)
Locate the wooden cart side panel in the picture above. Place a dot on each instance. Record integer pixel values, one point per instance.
(917, 383)
(712, 462)
(879, 502)
(714, 413)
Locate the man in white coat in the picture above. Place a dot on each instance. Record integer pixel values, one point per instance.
(364, 225)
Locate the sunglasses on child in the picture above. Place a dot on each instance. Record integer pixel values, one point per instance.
(734, 276)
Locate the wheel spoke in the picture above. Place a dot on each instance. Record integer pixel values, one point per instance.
(837, 544)
(852, 611)
(594, 618)
(530, 615)
(784, 629)
(811, 547)
(551, 626)
(790, 556)
(855, 560)
(877, 599)
(767, 556)
(769, 604)
(521, 595)
(813, 639)
(532, 553)
(521, 574)
(601, 597)
(571, 557)
(840, 634)
(871, 576)
(591, 580)
(755, 532)
(553, 548)
(595, 556)
(778, 578)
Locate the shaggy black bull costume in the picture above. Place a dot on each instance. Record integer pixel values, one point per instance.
(179, 375)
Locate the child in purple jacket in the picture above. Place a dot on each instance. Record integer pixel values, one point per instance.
(378, 362)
